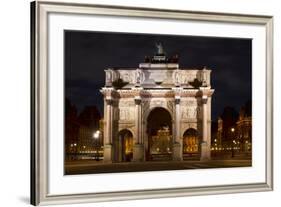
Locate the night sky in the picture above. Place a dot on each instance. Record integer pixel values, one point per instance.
(87, 54)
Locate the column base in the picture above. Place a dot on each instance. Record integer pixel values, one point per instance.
(177, 151)
(138, 153)
(107, 153)
(205, 152)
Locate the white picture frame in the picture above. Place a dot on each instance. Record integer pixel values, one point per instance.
(41, 163)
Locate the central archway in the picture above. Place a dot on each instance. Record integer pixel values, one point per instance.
(159, 134)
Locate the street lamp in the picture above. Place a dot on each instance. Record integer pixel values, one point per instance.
(215, 147)
(96, 137)
(233, 141)
(73, 151)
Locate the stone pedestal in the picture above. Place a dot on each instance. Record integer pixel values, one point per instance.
(205, 152)
(177, 151)
(107, 153)
(138, 152)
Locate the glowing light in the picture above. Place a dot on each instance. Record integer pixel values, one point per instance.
(96, 134)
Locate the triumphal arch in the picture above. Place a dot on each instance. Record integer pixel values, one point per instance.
(157, 111)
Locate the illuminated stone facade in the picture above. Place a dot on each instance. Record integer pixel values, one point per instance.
(244, 128)
(131, 94)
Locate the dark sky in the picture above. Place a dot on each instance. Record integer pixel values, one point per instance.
(87, 54)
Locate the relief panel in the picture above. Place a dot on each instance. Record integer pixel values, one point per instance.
(126, 113)
(190, 112)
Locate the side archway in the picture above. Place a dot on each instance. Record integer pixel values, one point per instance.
(125, 137)
(191, 144)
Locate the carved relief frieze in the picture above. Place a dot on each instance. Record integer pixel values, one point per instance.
(158, 103)
(126, 103)
(126, 93)
(189, 102)
(190, 93)
(126, 113)
(157, 93)
(190, 112)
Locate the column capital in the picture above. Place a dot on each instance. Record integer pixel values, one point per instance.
(177, 100)
(109, 101)
(137, 101)
(206, 91)
(204, 99)
(108, 92)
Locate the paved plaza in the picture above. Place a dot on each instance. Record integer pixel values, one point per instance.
(91, 166)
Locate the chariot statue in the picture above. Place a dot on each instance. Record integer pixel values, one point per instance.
(160, 49)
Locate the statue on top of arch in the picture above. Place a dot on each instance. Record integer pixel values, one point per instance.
(160, 50)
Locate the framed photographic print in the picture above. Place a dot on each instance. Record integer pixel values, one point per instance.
(135, 103)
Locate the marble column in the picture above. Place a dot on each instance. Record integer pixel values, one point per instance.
(177, 148)
(205, 145)
(138, 149)
(108, 152)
